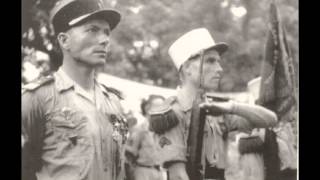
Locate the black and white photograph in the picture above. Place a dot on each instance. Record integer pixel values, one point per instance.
(159, 90)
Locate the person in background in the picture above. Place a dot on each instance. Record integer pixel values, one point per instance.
(141, 149)
(152, 102)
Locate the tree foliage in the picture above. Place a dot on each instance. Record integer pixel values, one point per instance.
(148, 27)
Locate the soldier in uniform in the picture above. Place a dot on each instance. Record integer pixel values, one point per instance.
(72, 125)
(171, 121)
(152, 102)
(142, 154)
(141, 150)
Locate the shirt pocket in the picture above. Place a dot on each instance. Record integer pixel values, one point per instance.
(70, 134)
(65, 129)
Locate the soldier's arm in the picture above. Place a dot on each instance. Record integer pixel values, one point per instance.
(254, 116)
(258, 116)
(133, 143)
(31, 134)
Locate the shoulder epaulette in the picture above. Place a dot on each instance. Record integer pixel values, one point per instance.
(33, 85)
(117, 92)
(164, 118)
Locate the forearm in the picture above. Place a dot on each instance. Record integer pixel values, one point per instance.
(258, 116)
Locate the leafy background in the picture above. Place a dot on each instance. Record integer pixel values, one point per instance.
(148, 27)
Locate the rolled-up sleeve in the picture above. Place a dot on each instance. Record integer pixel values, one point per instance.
(173, 146)
(237, 123)
(257, 116)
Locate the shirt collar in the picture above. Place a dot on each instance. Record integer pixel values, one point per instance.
(63, 81)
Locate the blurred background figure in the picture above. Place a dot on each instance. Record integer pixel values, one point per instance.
(142, 158)
(151, 103)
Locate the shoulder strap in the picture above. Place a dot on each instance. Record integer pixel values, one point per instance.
(37, 83)
(114, 91)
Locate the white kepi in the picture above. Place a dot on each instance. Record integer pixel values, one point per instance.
(191, 43)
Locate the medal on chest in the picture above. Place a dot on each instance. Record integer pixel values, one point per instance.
(116, 136)
(120, 128)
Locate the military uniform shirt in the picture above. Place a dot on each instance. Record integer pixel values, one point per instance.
(68, 134)
(214, 149)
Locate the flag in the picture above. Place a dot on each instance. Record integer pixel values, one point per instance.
(277, 88)
(277, 93)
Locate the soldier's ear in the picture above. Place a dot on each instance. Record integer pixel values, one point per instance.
(63, 39)
(188, 70)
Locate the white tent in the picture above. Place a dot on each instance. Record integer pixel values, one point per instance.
(133, 92)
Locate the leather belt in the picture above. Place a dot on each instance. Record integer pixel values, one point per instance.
(157, 167)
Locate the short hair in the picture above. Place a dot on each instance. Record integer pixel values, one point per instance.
(185, 65)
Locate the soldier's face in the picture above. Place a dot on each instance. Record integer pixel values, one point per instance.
(88, 43)
(212, 70)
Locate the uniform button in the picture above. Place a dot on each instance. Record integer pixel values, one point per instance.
(105, 169)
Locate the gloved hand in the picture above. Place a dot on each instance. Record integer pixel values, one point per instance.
(218, 108)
